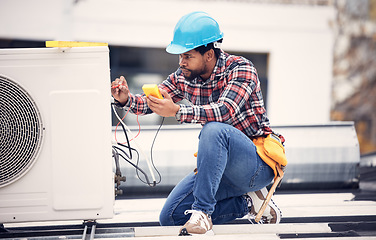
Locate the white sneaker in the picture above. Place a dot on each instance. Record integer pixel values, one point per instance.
(272, 213)
(199, 223)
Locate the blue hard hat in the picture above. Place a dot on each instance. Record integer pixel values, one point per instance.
(193, 30)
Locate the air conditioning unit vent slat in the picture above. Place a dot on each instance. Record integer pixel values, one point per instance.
(21, 131)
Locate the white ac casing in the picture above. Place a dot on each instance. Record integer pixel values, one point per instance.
(70, 176)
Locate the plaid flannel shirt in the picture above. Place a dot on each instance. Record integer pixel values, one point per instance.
(231, 95)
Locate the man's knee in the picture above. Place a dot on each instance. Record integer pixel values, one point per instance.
(164, 219)
(213, 128)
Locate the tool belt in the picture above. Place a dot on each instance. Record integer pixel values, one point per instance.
(272, 152)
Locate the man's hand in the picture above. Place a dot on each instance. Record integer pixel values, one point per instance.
(163, 107)
(119, 90)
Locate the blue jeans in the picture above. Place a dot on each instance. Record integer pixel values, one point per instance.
(228, 167)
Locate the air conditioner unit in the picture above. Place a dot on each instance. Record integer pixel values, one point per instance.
(55, 134)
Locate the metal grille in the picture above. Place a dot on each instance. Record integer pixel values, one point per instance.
(21, 131)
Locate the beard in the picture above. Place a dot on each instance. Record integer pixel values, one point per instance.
(192, 74)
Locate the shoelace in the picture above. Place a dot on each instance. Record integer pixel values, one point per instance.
(251, 216)
(196, 217)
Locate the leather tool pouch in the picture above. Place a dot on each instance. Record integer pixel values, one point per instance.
(274, 149)
(271, 151)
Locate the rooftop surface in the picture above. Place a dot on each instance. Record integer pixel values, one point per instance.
(315, 214)
(349, 214)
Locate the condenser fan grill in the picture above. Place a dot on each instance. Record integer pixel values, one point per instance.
(21, 131)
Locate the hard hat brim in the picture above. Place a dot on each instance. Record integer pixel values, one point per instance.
(176, 49)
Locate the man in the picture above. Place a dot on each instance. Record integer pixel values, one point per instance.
(225, 97)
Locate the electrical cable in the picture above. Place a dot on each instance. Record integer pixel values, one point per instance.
(151, 151)
(134, 165)
(129, 148)
(150, 163)
(137, 162)
(115, 155)
(121, 119)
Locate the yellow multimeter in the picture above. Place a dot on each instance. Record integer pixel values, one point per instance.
(152, 89)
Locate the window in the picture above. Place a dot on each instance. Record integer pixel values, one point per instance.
(153, 65)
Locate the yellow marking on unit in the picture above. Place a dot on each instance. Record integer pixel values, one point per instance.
(63, 44)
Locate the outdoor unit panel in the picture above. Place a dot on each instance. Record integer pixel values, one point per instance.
(55, 143)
